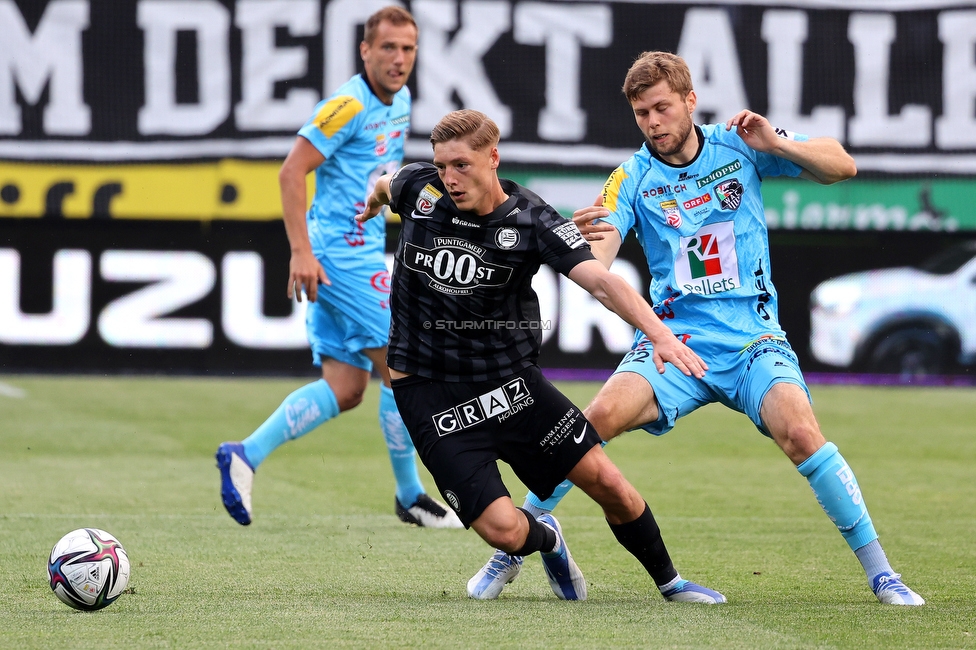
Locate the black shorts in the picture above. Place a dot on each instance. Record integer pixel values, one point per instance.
(462, 429)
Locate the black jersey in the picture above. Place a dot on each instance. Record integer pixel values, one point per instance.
(462, 305)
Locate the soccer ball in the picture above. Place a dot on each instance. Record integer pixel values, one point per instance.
(88, 569)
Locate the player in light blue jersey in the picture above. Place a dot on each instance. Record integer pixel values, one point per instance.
(692, 196)
(354, 137)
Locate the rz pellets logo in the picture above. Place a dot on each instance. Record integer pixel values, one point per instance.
(455, 266)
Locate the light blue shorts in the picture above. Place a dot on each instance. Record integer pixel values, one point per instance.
(737, 376)
(350, 315)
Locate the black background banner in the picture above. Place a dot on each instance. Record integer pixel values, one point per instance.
(882, 82)
(799, 262)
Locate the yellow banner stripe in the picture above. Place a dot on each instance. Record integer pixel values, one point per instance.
(225, 189)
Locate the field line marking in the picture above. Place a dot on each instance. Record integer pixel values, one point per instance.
(6, 390)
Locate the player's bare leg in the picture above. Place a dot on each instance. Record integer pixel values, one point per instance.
(788, 416)
(625, 402)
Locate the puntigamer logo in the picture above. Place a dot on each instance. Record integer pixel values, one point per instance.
(455, 266)
(721, 172)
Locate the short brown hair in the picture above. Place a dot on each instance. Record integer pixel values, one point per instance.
(474, 127)
(650, 68)
(393, 14)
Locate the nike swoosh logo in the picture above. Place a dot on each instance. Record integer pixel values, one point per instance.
(414, 215)
(578, 439)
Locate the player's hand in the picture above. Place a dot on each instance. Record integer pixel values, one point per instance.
(370, 211)
(669, 349)
(584, 218)
(304, 273)
(755, 130)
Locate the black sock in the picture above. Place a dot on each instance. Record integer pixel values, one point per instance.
(642, 538)
(540, 537)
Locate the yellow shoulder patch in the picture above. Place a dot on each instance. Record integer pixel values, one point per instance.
(336, 113)
(611, 189)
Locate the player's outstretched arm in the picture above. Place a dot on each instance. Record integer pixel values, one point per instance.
(304, 270)
(379, 197)
(603, 237)
(823, 160)
(620, 298)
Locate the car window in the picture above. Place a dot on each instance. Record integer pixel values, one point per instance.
(949, 260)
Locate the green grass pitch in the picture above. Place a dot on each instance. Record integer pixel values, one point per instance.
(326, 564)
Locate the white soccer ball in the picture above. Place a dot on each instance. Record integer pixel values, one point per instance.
(88, 569)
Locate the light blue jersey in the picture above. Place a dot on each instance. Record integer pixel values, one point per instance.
(703, 230)
(362, 139)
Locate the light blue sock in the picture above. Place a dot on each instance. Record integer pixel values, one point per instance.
(836, 489)
(403, 456)
(536, 506)
(299, 413)
(874, 560)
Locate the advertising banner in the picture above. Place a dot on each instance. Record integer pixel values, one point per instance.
(140, 144)
(209, 297)
(161, 109)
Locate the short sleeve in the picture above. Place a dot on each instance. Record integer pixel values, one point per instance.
(617, 199)
(403, 198)
(333, 123)
(561, 244)
(770, 165)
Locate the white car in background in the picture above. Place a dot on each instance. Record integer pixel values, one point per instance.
(907, 320)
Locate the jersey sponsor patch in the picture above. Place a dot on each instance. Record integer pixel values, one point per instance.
(501, 403)
(698, 201)
(429, 196)
(671, 214)
(563, 429)
(570, 234)
(336, 113)
(729, 194)
(707, 263)
(507, 238)
(455, 266)
(721, 172)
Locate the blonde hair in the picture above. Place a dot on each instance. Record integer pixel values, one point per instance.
(474, 127)
(651, 68)
(393, 14)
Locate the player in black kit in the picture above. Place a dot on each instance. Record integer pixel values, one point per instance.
(464, 341)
